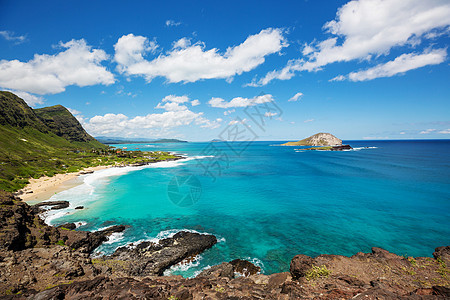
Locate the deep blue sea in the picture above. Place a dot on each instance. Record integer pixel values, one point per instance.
(267, 203)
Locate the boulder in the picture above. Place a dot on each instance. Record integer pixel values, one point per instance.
(149, 258)
(300, 264)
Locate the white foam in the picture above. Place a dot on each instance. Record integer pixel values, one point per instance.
(114, 238)
(80, 223)
(184, 265)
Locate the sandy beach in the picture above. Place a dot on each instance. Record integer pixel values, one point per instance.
(43, 188)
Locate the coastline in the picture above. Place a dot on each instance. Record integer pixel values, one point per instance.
(44, 187)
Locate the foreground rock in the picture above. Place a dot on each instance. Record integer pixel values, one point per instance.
(318, 139)
(42, 262)
(149, 258)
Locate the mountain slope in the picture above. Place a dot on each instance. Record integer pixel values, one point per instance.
(62, 123)
(31, 148)
(318, 139)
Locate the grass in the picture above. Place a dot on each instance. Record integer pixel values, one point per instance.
(317, 272)
(442, 270)
(47, 154)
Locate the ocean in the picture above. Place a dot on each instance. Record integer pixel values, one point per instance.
(266, 203)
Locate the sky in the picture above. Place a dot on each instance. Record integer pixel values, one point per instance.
(362, 69)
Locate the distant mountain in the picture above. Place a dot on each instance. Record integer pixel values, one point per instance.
(35, 142)
(119, 140)
(319, 139)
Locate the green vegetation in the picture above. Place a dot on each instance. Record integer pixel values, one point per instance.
(320, 148)
(48, 141)
(317, 272)
(442, 270)
(60, 242)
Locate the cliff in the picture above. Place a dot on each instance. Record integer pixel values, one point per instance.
(62, 123)
(318, 139)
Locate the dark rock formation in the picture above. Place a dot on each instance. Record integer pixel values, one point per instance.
(442, 253)
(341, 148)
(149, 258)
(69, 226)
(300, 264)
(52, 204)
(244, 267)
(79, 207)
(85, 241)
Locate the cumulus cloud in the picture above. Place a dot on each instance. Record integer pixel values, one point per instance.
(176, 99)
(78, 65)
(154, 124)
(195, 102)
(445, 131)
(190, 63)
(368, 29)
(129, 50)
(11, 36)
(428, 131)
(296, 97)
(400, 65)
(240, 101)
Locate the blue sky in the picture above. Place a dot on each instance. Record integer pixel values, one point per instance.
(367, 69)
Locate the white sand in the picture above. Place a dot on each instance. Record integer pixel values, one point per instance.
(45, 187)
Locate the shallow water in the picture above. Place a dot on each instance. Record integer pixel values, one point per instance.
(268, 203)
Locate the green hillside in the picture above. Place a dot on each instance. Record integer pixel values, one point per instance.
(50, 140)
(39, 142)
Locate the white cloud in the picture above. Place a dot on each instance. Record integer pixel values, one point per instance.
(145, 126)
(400, 65)
(171, 106)
(228, 112)
(182, 43)
(428, 131)
(445, 131)
(129, 50)
(367, 29)
(308, 121)
(177, 99)
(78, 65)
(233, 122)
(31, 100)
(195, 102)
(270, 114)
(240, 102)
(11, 36)
(155, 124)
(190, 63)
(172, 23)
(73, 111)
(173, 103)
(296, 97)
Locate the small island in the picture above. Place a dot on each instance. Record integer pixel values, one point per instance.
(321, 141)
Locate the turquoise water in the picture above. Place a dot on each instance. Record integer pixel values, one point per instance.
(269, 203)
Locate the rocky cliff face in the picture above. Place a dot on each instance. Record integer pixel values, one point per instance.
(42, 262)
(62, 123)
(319, 139)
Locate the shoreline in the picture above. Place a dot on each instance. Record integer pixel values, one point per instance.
(44, 187)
